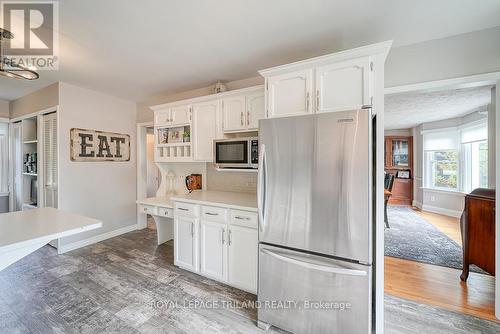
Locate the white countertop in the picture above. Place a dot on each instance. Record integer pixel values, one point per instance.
(163, 201)
(233, 200)
(23, 232)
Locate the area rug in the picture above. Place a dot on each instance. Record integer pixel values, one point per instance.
(411, 237)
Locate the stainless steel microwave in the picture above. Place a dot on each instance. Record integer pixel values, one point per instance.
(237, 153)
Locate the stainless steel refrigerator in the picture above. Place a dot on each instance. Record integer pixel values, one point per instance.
(315, 223)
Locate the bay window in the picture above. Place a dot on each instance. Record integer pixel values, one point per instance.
(456, 159)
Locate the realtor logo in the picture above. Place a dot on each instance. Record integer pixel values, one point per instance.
(35, 26)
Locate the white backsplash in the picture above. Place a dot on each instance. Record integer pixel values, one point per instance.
(243, 182)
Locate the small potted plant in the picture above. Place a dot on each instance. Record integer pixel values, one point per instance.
(186, 136)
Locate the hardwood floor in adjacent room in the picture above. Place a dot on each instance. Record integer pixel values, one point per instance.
(441, 286)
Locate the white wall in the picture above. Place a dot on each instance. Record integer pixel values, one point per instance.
(4, 109)
(438, 201)
(145, 114)
(492, 138)
(457, 56)
(398, 132)
(101, 190)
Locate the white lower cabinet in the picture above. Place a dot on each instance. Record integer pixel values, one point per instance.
(186, 253)
(228, 244)
(242, 258)
(213, 250)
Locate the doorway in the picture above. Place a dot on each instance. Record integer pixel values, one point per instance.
(148, 173)
(446, 158)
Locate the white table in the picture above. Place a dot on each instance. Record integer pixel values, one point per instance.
(23, 232)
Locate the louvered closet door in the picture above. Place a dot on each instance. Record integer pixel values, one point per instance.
(17, 166)
(50, 160)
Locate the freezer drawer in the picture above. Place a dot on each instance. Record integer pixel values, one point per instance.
(338, 293)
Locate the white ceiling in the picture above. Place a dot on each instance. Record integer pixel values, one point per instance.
(406, 110)
(134, 49)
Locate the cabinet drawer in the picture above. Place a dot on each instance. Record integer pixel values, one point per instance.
(187, 209)
(165, 212)
(149, 209)
(213, 213)
(244, 218)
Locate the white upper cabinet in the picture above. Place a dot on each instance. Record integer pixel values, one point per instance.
(205, 118)
(162, 117)
(289, 94)
(173, 116)
(234, 113)
(180, 115)
(335, 82)
(343, 85)
(205, 129)
(256, 110)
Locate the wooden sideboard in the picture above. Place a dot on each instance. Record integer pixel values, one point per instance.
(477, 225)
(399, 158)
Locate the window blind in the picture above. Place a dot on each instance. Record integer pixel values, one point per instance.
(441, 140)
(474, 133)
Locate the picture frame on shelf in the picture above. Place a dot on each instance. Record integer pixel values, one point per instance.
(163, 136)
(403, 174)
(175, 135)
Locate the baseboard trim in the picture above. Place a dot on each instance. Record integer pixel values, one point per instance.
(417, 204)
(98, 238)
(442, 211)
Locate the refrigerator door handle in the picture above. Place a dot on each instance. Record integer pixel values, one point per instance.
(261, 189)
(325, 268)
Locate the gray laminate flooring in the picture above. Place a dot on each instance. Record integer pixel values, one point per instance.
(128, 284)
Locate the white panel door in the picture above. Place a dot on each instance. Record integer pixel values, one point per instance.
(343, 86)
(162, 117)
(213, 250)
(234, 110)
(242, 257)
(205, 122)
(180, 115)
(289, 94)
(256, 110)
(186, 243)
(50, 160)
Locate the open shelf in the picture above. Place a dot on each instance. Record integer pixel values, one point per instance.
(34, 141)
(174, 152)
(174, 144)
(30, 174)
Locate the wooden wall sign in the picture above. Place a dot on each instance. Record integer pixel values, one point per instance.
(92, 145)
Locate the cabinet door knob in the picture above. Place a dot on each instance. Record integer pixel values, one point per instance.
(222, 237)
(241, 118)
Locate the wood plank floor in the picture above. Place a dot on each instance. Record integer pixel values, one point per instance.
(128, 284)
(441, 286)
